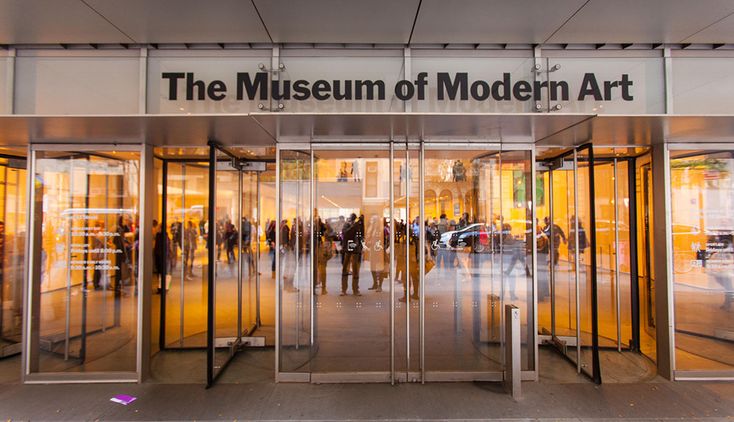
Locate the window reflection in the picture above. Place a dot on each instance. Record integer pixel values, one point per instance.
(86, 284)
(702, 205)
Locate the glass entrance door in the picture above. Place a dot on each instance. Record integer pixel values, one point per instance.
(395, 261)
(567, 260)
(232, 247)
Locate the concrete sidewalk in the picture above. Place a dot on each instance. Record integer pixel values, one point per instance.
(269, 401)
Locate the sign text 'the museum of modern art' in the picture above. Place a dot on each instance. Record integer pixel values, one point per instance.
(448, 86)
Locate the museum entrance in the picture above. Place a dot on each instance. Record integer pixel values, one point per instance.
(396, 259)
(594, 286)
(213, 299)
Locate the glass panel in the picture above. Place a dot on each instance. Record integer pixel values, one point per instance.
(605, 253)
(584, 246)
(187, 196)
(294, 282)
(557, 283)
(12, 250)
(464, 291)
(227, 288)
(623, 232)
(702, 209)
(85, 304)
(645, 260)
(352, 193)
(250, 248)
(267, 234)
(516, 221)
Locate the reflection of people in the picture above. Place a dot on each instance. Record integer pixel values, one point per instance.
(98, 244)
(162, 250)
(355, 170)
(520, 253)
(557, 235)
(343, 172)
(583, 240)
(721, 245)
(230, 243)
(176, 233)
(376, 256)
(325, 251)
(122, 254)
(459, 171)
(246, 231)
(409, 277)
(352, 236)
(270, 238)
(189, 249)
(287, 257)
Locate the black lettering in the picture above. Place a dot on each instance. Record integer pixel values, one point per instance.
(460, 85)
(300, 87)
(537, 87)
(421, 83)
(338, 94)
(321, 90)
(563, 85)
(404, 90)
(480, 90)
(216, 90)
(505, 85)
(626, 84)
(522, 90)
(276, 87)
(608, 85)
(589, 86)
(370, 89)
(173, 78)
(190, 84)
(244, 83)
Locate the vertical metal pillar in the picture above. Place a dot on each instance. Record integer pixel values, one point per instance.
(163, 272)
(596, 366)
(297, 255)
(552, 273)
(422, 260)
(616, 258)
(576, 257)
(239, 255)
(406, 274)
(634, 261)
(312, 260)
(276, 252)
(392, 263)
(67, 322)
(182, 229)
(258, 224)
(211, 272)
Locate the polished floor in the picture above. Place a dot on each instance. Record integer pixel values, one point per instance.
(254, 396)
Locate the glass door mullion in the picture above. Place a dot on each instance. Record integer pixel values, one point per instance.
(577, 260)
(391, 280)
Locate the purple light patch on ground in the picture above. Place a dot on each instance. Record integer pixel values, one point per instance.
(123, 399)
